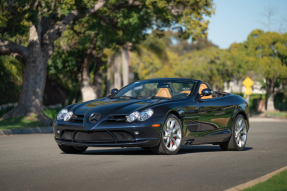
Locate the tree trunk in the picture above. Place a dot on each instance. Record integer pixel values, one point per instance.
(131, 74)
(98, 75)
(270, 102)
(117, 71)
(270, 95)
(31, 97)
(110, 76)
(125, 61)
(87, 89)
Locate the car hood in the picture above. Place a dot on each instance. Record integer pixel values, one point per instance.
(108, 106)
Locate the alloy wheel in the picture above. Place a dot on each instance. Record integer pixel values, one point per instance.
(172, 134)
(240, 132)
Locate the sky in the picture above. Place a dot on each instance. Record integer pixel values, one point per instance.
(235, 19)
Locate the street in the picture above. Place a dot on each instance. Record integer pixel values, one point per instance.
(34, 162)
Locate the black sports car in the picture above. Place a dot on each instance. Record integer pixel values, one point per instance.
(160, 114)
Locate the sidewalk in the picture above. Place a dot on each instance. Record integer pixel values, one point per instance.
(266, 119)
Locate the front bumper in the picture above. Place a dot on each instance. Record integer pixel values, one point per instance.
(110, 134)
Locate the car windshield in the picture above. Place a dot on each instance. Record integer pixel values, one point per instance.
(156, 89)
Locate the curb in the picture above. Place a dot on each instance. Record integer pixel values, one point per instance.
(256, 181)
(48, 129)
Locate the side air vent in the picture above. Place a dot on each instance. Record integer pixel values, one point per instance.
(77, 119)
(116, 118)
(67, 135)
(123, 136)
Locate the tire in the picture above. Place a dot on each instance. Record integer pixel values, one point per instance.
(72, 150)
(238, 137)
(171, 136)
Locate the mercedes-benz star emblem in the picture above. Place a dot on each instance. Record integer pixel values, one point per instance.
(94, 117)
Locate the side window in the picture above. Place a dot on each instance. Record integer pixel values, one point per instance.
(182, 88)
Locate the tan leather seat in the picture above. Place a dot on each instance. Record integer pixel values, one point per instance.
(202, 87)
(185, 92)
(163, 92)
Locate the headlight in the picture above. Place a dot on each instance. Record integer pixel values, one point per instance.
(62, 114)
(133, 116)
(144, 115)
(68, 116)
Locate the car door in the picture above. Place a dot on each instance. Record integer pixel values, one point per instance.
(215, 114)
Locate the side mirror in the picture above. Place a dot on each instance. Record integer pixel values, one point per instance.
(206, 92)
(113, 91)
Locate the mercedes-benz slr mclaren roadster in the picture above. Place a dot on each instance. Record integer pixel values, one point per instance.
(156, 114)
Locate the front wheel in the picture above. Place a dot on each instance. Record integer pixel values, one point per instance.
(238, 137)
(171, 136)
(72, 150)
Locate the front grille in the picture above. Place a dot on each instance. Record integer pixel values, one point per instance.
(93, 136)
(97, 136)
(77, 119)
(123, 136)
(116, 118)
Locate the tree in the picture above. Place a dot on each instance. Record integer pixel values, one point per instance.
(269, 52)
(44, 21)
(209, 65)
(150, 57)
(198, 60)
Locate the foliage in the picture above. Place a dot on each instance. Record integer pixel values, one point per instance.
(262, 55)
(113, 28)
(207, 64)
(63, 68)
(182, 46)
(52, 113)
(10, 79)
(269, 52)
(148, 57)
(3, 111)
(280, 101)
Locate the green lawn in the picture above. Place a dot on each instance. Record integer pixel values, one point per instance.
(26, 121)
(52, 113)
(276, 183)
(20, 122)
(280, 114)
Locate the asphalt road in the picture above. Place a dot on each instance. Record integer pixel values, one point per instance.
(34, 162)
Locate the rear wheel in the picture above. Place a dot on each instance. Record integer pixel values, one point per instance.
(72, 150)
(171, 137)
(238, 137)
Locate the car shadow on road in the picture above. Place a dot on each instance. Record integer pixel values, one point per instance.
(139, 151)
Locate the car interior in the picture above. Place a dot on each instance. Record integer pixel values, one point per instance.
(165, 92)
